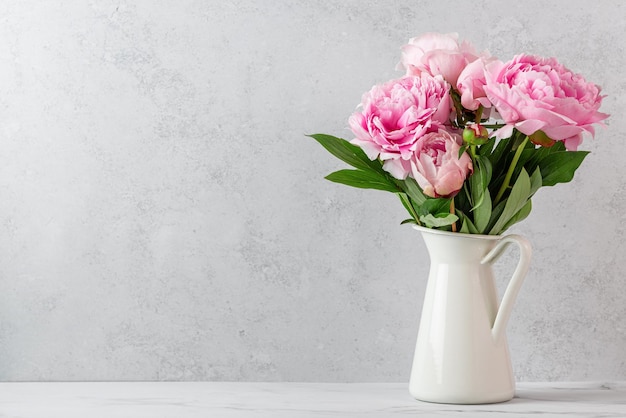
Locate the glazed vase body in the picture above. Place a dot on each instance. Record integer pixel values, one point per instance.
(461, 354)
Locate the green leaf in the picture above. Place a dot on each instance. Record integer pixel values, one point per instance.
(439, 220)
(482, 214)
(479, 190)
(501, 150)
(558, 146)
(406, 202)
(467, 226)
(487, 148)
(462, 150)
(408, 221)
(520, 194)
(362, 179)
(535, 181)
(479, 180)
(495, 215)
(486, 170)
(519, 216)
(536, 155)
(559, 167)
(435, 213)
(411, 188)
(434, 206)
(348, 153)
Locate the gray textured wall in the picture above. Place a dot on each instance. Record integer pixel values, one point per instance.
(162, 215)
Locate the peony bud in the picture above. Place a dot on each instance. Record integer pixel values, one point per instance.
(540, 138)
(475, 134)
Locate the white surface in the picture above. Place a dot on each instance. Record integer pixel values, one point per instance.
(292, 400)
(462, 355)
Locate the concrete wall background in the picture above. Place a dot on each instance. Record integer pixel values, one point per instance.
(162, 215)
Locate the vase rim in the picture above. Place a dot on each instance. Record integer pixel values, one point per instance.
(456, 234)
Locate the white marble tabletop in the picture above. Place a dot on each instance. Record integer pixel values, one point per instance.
(292, 400)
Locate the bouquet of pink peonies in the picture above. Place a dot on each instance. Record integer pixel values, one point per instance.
(465, 140)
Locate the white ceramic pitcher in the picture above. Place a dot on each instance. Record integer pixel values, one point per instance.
(461, 355)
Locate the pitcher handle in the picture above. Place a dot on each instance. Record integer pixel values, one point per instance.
(506, 305)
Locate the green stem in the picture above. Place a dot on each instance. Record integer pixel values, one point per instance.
(509, 173)
(479, 114)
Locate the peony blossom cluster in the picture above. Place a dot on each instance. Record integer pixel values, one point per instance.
(412, 124)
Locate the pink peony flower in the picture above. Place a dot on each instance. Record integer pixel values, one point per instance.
(539, 94)
(471, 83)
(395, 115)
(436, 165)
(435, 53)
